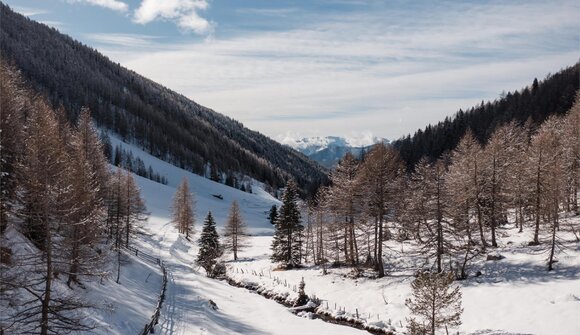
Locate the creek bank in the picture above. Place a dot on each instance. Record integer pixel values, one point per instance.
(312, 310)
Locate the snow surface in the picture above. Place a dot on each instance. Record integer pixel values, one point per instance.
(254, 206)
(515, 295)
(119, 309)
(187, 308)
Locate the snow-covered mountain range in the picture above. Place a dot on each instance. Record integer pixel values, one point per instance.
(328, 150)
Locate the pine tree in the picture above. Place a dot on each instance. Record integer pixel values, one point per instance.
(209, 246)
(435, 302)
(183, 209)
(273, 215)
(287, 241)
(235, 231)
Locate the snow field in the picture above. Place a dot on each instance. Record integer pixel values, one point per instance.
(189, 305)
(514, 295)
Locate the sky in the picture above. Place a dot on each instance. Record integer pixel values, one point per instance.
(350, 68)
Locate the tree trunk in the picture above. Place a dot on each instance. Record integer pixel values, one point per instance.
(478, 207)
(380, 266)
(355, 245)
(538, 202)
(553, 247)
(346, 245)
(433, 300)
(375, 247)
(493, 204)
(47, 286)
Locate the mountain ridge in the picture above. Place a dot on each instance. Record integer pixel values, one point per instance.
(329, 150)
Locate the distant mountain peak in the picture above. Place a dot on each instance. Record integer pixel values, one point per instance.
(328, 150)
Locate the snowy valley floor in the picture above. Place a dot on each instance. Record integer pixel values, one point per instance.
(515, 295)
(512, 296)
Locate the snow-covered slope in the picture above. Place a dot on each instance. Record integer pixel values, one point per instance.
(188, 308)
(119, 309)
(255, 206)
(329, 150)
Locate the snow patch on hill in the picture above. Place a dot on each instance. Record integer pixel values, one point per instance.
(254, 206)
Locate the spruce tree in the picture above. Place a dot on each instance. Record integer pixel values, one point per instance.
(287, 242)
(273, 215)
(209, 246)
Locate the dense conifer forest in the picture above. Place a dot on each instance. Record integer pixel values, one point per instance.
(532, 104)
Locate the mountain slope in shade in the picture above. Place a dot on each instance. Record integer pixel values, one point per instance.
(164, 123)
(329, 150)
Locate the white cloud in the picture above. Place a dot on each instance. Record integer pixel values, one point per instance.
(115, 5)
(183, 12)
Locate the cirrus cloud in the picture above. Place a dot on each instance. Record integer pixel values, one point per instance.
(115, 5)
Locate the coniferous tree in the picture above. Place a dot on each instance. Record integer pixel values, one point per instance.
(209, 246)
(136, 212)
(183, 209)
(544, 157)
(126, 209)
(273, 214)
(235, 231)
(380, 176)
(287, 241)
(467, 177)
(47, 203)
(435, 204)
(345, 201)
(85, 223)
(571, 152)
(498, 158)
(13, 100)
(435, 303)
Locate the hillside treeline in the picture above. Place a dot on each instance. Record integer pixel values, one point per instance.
(533, 104)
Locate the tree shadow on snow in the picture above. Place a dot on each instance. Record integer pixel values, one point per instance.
(527, 272)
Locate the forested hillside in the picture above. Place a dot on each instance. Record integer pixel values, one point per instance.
(164, 123)
(553, 95)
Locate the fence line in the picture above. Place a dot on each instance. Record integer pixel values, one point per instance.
(150, 327)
